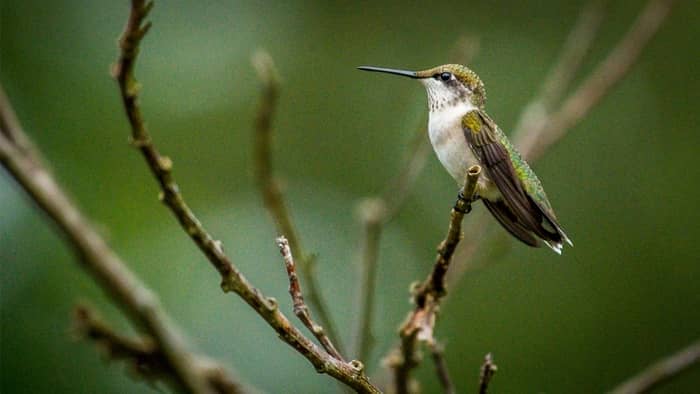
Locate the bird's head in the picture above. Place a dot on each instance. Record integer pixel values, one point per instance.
(446, 85)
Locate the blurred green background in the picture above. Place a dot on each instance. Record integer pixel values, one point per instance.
(625, 184)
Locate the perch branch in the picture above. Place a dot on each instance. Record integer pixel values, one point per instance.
(420, 322)
(136, 300)
(488, 369)
(661, 371)
(272, 192)
(300, 308)
(232, 280)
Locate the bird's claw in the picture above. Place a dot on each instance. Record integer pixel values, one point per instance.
(463, 204)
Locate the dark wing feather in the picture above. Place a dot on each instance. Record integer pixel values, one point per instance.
(518, 213)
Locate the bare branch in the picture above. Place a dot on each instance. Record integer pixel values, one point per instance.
(661, 371)
(271, 191)
(534, 142)
(300, 308)
(437, 352)
(232, 279)
(136, 300)
(488, 369)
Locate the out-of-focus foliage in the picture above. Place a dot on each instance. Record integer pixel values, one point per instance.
(625, 184)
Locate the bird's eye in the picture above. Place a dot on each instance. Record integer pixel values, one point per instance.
(445, 76)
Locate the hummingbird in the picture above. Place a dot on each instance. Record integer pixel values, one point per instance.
(462, 135)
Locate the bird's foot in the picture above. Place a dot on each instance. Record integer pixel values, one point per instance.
(463, 204)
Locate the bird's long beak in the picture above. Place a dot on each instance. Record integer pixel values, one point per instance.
(405, 73)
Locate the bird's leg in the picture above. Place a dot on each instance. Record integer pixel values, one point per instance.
(469, 192)
(463, 203)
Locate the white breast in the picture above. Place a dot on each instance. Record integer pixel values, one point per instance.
(448, 140)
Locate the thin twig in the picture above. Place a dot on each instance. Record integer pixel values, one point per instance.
(300, 308)
(136, 300)
(488, 369)
(232, 279)
(272, 192)
(437, 353)
(534, 142)
(661, 371)
(372, 212)
(427, 295)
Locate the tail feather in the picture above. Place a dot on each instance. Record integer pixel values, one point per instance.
(542, 226)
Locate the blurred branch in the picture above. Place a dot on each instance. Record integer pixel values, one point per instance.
(300, 308)
(144, 355)
(553, 126)
(232, 279)
(372, 212)
(270, 188)
(376, 212)
(437, 352)
(136, 300)
(488, 369)
(576, 47)
(420, 322)
(661, 371)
